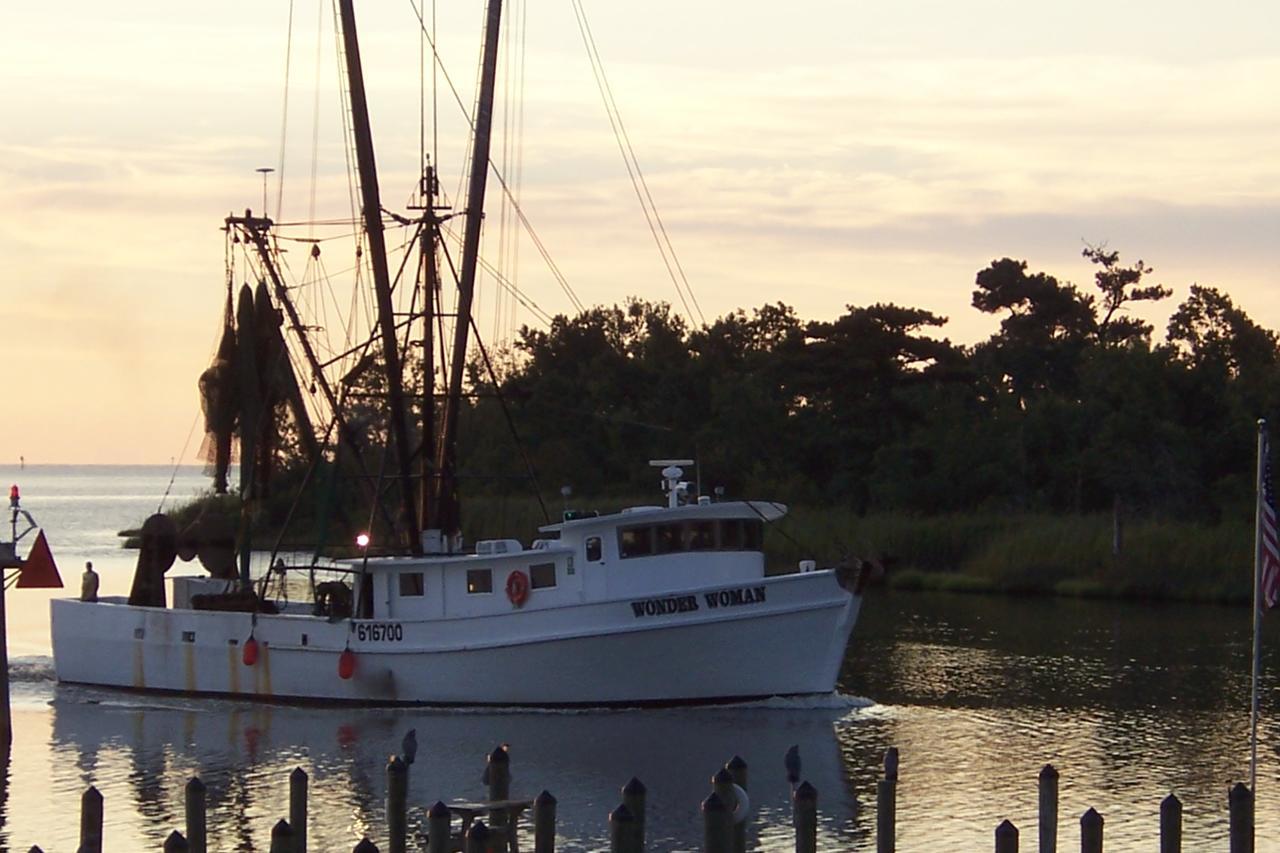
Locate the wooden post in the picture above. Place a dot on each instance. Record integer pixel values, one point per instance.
(91, 821)
(886, 815)
(891, 764)
(197, 818)
(1091, 832)
(175, 843)
(804, 814)
(1240, 802)
(717, 825)
(439, 821)
(1171, 825)
(1006, 838)
(365, 846)
(281, 837)
(722, 784)
(633, 797)
(1048, 809)
(498, 777)
(478, 838)
(544, 823)
(298, 809)
(397, 796)
(737, 768)
(622, 831)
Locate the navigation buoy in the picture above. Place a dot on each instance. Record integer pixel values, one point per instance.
(346, 664)
(518, 588)
(250, 656)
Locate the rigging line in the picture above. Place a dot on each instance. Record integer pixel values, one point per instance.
(284, 113)
(523, 298)
(628, 152)
(497, 173)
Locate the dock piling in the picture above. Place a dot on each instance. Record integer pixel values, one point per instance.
(365, 846)
(297, 809)
(717, 825)
(175, 843)
(1048, 809)
(544, 823)
(195, 805)
(1091, 832)
(439, 820)
(633, 797)
(804, 814)
(886, 815)
(737, 768)
(478, 838)
(397, 797)
(622, 831)
(1006, 837)
(1171, 825)
(91, 821)
(1240, 803)
(282, 837)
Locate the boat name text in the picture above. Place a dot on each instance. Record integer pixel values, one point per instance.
(391, 632)
(688, 603)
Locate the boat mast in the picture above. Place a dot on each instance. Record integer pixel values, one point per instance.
(445, 512)
(372, 205)
(431, 282)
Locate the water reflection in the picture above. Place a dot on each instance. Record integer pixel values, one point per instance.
(140, 752)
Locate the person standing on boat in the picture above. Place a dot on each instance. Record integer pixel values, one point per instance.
(89, 583)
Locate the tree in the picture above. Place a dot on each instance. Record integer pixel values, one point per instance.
(1121, 286)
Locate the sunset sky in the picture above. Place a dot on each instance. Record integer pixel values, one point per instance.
(821, 153)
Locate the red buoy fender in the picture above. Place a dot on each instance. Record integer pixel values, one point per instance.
(250, 655)
(518, 588)
(346, 664)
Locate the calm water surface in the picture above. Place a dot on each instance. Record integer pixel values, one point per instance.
(1129, 701)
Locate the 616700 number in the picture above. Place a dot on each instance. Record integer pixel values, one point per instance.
(392, 632)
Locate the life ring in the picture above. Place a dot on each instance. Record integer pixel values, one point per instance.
(518, 588)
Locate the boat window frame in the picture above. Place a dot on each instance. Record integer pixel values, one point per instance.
(474, 588)
(415, 590)
(644, 530)
(541, 568)
(594, 548)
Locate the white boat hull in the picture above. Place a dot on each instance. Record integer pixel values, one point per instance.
(783, 635)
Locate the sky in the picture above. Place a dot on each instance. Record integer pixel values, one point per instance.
(822, 154)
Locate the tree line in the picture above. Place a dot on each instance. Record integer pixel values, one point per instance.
(1073, 405)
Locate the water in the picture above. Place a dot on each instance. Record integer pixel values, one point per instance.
(1128, 701)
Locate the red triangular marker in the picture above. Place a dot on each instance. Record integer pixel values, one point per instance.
(38, 570)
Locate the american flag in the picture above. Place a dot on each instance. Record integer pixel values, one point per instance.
(1269, 545)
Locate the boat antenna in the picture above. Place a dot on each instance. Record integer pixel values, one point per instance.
(264, 171)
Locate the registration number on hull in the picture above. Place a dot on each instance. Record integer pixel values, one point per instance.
(380, 632)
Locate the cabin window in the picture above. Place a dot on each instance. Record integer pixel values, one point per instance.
(542, 575)
(667, 538)
(595, 551)
(411, 584)
(479, 581)
(731, 535)
(700, 536)
(740, 534)
(635, 542)
(753, 540)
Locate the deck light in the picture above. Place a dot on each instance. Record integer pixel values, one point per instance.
(363, 540)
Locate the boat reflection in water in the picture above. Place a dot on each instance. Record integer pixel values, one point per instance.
(141, 750)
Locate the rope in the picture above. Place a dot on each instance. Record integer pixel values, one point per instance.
(638, 182)
(284, 113)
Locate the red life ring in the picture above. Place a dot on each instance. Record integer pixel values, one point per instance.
(518, 588)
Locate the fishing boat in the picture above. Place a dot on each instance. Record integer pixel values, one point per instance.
(662, 603)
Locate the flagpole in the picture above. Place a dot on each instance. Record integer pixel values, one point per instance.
(1257, 609)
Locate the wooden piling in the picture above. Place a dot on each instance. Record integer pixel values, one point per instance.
(498, 777)
(633, 797)
(478, 838)
(891, 764)
(175, 843)
(439, 819)
(397, 798)
(1006, 837)
(886, 815)
(281, 837)
(1171, 825)
(1240, 803)
(298, 809)
(365, 846)
(1091, 832)
(91, 821)
(622, 831)
(717, 825)
(195, 806)
(1048, 809)
(737, 768)
(722, 784)
(544, 823)
(804, 814)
